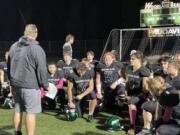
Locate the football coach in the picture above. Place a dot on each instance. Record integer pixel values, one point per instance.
(27, 71)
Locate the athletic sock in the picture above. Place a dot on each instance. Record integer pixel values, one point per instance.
(132, 115)
(157, 133)
(167, 114)
(90, 113)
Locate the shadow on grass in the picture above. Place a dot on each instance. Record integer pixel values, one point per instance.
(5, 133)
(88, 133)
(3, 130)
(50, 112)
(101, 117)
(7, 127)
(61, 117)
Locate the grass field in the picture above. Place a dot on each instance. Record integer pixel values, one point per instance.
(50, 124)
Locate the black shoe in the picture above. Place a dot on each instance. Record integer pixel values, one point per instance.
(145, 132)
(18, 133)
(61, 111)
(90, 118)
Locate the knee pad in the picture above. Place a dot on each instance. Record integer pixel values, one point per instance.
(120, 100)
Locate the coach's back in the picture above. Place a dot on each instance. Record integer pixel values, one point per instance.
(27, 64)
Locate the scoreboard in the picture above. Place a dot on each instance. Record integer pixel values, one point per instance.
(168, 13)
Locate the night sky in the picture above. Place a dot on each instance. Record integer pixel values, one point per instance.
(86, 19)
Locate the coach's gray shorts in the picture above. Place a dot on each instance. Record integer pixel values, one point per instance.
(27, 100)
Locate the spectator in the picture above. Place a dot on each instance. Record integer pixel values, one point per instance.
(67, 48)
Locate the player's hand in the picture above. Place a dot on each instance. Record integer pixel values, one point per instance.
(99, 95)
(10, 94)
(71, 105)
(128, 97)
(48, 89)
(113, 86)
(64, 79)
(5, 85)
(79, 97)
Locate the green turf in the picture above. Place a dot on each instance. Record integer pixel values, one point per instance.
(49, 124)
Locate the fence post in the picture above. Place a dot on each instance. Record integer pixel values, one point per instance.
(120, 46)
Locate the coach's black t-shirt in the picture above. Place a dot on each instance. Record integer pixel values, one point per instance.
(109, 74)
(80, 83)
(57, 76)
(67, 69)
(134, 84)
(3, 66)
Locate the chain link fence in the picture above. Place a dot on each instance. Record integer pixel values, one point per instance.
(53, 49)
(125, 40)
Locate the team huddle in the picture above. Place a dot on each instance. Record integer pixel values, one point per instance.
(150, 91)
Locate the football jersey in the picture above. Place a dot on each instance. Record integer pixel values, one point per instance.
(80, 83)
(67, 69)
(176, 113)
(109, 74)
(157, 69)
(93, 64)
(134, 84)
(55, 79)
(93, 67)
(173, 82)
(169, 97)
(90, 71)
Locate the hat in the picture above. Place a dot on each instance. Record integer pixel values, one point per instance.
(132, 52)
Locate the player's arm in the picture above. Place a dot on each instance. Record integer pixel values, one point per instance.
(117, 83)
(145, 84)
(89, 89)
(70, 95)
(145, 74)
(60, 83)
(119, 80)
(1, 76)
(158, 111)
(98, 82)
(98, 85)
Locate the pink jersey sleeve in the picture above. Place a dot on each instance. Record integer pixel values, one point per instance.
(42, 92)
(60, 84)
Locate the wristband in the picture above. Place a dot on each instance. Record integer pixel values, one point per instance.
(98, 88)
(119, 81)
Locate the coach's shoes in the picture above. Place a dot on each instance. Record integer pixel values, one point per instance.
(90, 118)
(18, 133)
